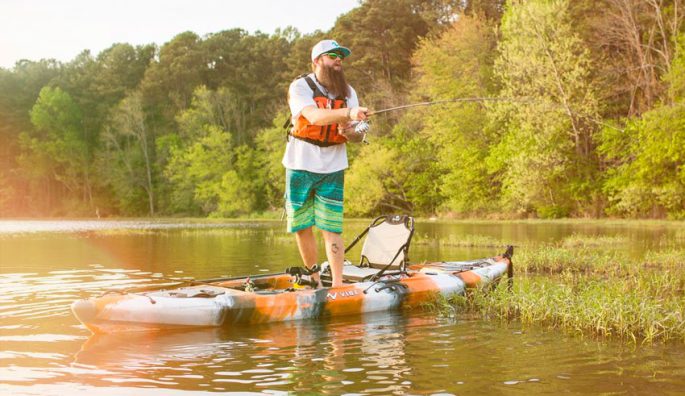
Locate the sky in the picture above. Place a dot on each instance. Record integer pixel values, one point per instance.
(37, 29)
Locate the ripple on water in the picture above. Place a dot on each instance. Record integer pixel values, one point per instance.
(42, 338)
(45, 347)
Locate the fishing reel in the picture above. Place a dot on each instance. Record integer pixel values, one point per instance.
(362, 128)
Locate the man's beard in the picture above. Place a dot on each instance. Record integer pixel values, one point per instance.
(334, 81)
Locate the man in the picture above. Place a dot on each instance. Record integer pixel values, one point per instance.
(324, 109)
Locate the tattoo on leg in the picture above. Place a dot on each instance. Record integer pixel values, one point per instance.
(334, 248)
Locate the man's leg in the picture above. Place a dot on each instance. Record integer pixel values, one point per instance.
(299, 203)
(306, 242)
(328, 212)
(335, 252)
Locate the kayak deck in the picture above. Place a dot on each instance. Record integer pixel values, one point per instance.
(274, 297)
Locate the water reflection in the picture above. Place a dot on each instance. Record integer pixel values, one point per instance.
(301, 356)
(44, 350)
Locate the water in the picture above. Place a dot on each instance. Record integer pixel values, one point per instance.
(44, 266)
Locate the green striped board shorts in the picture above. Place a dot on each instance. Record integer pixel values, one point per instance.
(314, 199)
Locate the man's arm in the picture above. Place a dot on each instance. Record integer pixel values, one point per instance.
(317, 116)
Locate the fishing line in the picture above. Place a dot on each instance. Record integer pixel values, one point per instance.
(365, 128)
(453, 100)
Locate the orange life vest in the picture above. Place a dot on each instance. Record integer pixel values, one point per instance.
(320, 135)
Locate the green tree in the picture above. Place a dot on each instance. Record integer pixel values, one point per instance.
(382, 35)
(210, 171)
(365, 188)
(196, 170)
(241, 187)
(128, 158)
(270, 144)
(646, 175)
(19, 90)
(119, 70)
(546, 153)
(60, 145)
(252, 69)
(459, 64)
(168, 84)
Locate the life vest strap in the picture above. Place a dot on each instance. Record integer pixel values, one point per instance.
(324, 131)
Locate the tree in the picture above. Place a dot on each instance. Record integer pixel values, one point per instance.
(633, 44)
(546, 153)
(365, 189)
(459, 64)
(646, 176)
(269, 150)
(382, 35)
(252, 69)
(168, 84)
(19, 89)
(59, 144)
(210, 171)
(129, 156)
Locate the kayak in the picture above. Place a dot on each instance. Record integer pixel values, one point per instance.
(281, 297)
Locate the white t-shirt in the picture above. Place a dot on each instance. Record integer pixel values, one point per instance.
(300, 155)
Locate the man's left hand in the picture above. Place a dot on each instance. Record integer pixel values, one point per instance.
(351, 135)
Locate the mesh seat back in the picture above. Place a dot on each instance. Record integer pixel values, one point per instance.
(384, 241)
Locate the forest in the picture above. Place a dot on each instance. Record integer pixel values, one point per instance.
(587, 117)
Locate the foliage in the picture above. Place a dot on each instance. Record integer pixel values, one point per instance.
(58, 148)
(589, 121)
(269, 151)
(458, 64)
(546, 153)
(364, 182)
(647, 173)
(648, 176)
(129, 157)
(386, 33)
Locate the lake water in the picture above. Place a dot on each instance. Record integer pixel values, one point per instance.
(45, 265)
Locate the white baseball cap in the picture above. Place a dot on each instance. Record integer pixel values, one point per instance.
(324, 46)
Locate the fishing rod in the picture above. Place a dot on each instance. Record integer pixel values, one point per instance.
(435, 102)
(151, 277)
(363, 126)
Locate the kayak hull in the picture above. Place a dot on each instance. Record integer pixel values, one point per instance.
(223, 303)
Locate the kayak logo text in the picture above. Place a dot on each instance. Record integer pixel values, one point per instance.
(347, 293)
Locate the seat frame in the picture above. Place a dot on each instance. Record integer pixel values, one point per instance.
(365, 269)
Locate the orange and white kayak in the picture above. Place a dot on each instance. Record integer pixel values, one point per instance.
(271, 298)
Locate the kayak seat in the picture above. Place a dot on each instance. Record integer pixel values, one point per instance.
(385, 248)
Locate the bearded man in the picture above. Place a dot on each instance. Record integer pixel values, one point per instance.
(324, 110)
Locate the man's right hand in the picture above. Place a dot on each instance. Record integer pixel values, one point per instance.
(358, 113)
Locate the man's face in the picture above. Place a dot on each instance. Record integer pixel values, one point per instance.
(333, 59)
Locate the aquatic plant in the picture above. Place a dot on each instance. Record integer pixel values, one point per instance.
(554, 259)
(587, 291)
(645, 306)
(582, 240)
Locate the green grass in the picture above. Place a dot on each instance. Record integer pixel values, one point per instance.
(588, 291)
(643, 307)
